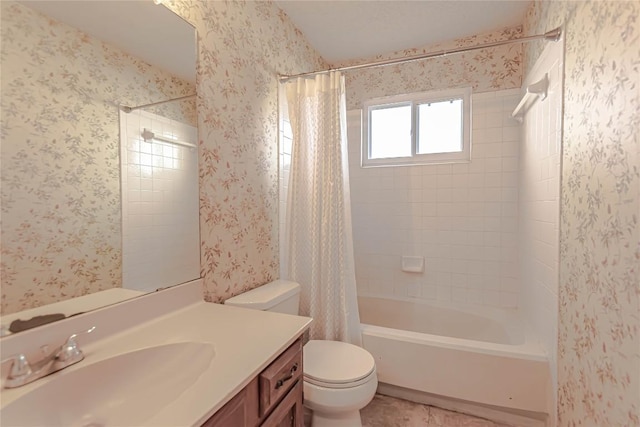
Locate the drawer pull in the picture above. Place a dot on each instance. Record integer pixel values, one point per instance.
(281, 381)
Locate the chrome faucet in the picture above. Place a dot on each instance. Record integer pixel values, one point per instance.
(22, 372)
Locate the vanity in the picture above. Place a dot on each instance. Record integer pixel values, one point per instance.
(165, 359)
(273, 398)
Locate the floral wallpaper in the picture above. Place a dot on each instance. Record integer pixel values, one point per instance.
(484, 70)
(61, 235)
(242, 47)
(64, 252)
(599, 294)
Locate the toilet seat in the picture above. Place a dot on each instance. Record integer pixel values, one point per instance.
(364, 380)
(335, 364)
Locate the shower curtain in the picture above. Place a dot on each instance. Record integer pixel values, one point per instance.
(318, 221)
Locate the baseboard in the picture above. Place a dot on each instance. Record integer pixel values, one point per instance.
(509, 416)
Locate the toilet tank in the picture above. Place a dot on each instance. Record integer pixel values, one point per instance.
(279, 296)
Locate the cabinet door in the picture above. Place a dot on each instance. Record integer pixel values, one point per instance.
(289, 412)
(241, 411)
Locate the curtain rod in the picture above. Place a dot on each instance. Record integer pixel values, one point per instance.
(130, 109)
(553, 35)
(148, 135)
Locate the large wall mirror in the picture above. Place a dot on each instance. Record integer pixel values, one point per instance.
(98, 204)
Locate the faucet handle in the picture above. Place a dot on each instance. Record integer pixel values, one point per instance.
(19, 366)
(69, 351)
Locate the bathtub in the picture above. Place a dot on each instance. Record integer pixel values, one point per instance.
(478, 355)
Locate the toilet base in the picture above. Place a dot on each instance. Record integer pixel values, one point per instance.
(343, 419)
(339, 407)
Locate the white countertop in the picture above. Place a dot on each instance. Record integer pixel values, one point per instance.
(245, 342)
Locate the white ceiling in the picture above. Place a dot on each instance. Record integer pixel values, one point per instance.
(141, 28)
(343, 30)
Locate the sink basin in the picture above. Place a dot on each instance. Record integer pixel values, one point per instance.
(124, 390)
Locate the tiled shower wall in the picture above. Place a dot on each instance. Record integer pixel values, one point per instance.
(539, 203)
(160, 228)
(462, 218)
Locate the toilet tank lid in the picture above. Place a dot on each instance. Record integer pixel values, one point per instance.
(266, 296)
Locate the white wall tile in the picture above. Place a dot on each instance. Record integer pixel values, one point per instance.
(160, 204)
(538, 202)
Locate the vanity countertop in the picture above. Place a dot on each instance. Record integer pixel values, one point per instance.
(245, 342)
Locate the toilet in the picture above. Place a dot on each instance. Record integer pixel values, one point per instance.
(339, 378)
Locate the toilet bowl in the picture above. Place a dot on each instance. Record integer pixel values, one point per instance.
(339, 378)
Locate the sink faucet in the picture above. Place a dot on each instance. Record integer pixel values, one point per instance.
(22, 372)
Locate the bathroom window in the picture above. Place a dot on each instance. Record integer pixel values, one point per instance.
(422, 128)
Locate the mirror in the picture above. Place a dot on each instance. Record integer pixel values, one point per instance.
(71, 239)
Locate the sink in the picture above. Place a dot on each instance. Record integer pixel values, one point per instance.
(124, 390)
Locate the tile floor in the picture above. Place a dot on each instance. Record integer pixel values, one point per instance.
(385, 411)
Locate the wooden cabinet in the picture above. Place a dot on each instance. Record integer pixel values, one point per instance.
(280, 377)
(242, 410)
(272, 399)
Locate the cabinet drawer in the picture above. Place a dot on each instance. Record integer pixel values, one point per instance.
(279, 377)
(289, 413)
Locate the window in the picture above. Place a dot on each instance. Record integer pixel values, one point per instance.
(431, 127)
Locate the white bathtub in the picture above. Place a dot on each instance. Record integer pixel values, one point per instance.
(474, 354)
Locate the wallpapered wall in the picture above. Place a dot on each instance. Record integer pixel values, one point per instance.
(484, 70)
(599, 295)
(60, 166)
(242, 46)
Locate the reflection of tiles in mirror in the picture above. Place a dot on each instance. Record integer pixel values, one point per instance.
(385, 411)
(160, 219)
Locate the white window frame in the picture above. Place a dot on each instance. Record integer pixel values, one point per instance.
(414, 100)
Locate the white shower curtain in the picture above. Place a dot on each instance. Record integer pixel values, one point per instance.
(318, 223)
